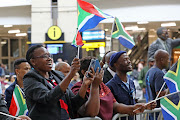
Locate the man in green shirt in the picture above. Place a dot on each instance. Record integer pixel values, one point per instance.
(141, 77)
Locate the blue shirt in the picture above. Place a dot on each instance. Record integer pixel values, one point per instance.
(127, 83)
(121, 92)
(154, 81)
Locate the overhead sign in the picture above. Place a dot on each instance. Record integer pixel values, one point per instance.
(93, 35)
(54, 32)
(94, 45)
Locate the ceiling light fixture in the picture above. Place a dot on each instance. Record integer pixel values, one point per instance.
(139, 29)
(106, 30)
(131, 28)
(3, 42)
(151, 36)
(134, 28)
(21, 34)
(168, 24)
(14, 31)
(142, 22)
(8, 25)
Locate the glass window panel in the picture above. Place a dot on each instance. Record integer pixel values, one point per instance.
(5, 62)
(23, 47)
(4, 44)
(14, 48)
(12, 68)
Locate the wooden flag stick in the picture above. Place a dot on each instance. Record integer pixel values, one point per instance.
(9, 115)
(155, 98)
(160, 90)
(158, 99)
(78, 52)
(111, 34)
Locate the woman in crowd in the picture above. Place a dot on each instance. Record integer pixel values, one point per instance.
(100, 101)
(47, 93)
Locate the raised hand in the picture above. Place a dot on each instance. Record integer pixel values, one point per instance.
(75, 66)
(88, 80)
(98, 77)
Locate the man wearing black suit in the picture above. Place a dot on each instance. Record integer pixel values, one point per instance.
(163, 42)
(109, 72)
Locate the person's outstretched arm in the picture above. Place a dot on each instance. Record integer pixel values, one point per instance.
(92, 105)
(75, 67)
(128, 109)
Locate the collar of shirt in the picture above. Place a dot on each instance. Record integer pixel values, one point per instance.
(112, 72)
(117, 80)
(126, 83)
(50, 77)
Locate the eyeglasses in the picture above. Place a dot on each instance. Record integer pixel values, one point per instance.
(45, 56)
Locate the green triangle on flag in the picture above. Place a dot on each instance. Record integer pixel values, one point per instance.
(120, 33)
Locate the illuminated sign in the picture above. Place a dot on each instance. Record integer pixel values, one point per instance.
(54, 32)
(94, 45)
(93, 35)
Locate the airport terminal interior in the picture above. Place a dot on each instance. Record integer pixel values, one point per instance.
(58, 26)
(140, 18)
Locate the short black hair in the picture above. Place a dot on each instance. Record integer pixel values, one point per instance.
(160, 30)
(18, 62)
(29, 53)
(85, 64)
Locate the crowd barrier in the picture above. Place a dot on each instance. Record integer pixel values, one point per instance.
(141, 116)
(88, 118)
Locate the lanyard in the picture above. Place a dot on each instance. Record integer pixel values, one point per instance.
(130, 91)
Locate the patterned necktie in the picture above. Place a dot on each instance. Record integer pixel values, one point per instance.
(165, 44)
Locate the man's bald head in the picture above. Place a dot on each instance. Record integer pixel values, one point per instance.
(161, 58)
(63, 67)
(108, 55)
(160, 54)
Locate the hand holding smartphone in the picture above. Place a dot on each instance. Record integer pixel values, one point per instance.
(94, 64)
(97, 65)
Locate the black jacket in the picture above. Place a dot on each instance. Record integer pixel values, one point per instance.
(4, 109)
(43, 100)
(107, 76)
(9, 93)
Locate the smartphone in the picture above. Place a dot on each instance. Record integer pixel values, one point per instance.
(97, 65)
(92, 64)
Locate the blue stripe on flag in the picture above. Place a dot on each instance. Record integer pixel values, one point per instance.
(166, 115)
(126, 43)
(171, 86)
(91, 23)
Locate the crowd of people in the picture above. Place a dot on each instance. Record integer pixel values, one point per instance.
(73, 91)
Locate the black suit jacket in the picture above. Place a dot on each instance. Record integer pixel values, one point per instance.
(43, 100)
(107, 76)
(156, 45)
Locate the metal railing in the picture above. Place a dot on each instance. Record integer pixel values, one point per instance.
(141, 116)
(88, 118)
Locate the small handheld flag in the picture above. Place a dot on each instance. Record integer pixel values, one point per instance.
(18, 103)
(120, 33)
(171, 105)
(89, 17)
